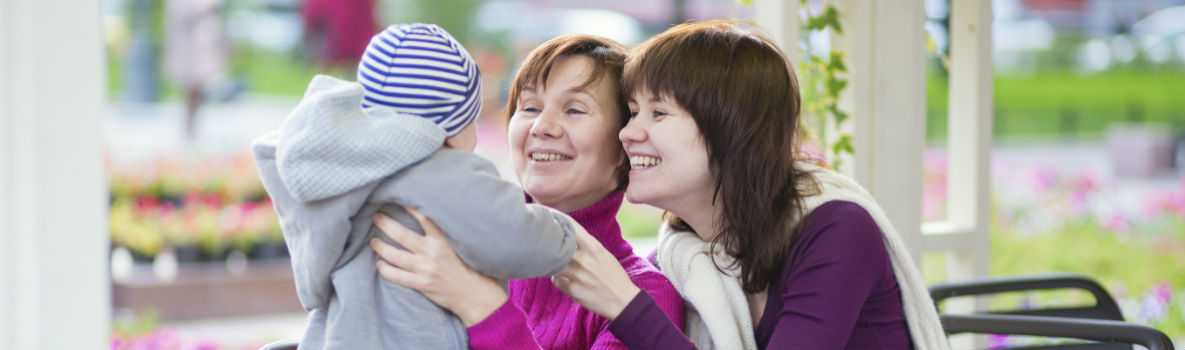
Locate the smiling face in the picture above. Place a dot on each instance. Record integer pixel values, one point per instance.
(721, 134)
(668, 159)
(563, 136)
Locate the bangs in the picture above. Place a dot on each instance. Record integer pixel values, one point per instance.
(649, 69)
(536, 71)
(605, 54)
(685, 61)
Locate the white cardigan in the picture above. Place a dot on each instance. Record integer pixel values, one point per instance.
(717, 308)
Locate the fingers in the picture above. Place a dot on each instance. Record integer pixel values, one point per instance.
(584, 240)
(561, 283)
(573, 283)
(430, 228)
(401, 277)
(393, 255)
(588, 252)
(569, 275)
(399, 233)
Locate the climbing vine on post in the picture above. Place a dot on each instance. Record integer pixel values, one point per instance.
(824, 79)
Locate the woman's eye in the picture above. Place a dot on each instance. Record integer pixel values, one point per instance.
(575, 111)
(633, 114)
(658, 115)
(530, 109)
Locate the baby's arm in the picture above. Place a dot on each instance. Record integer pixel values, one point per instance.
(485, 217)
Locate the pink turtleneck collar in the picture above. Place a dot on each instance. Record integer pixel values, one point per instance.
(600, 219)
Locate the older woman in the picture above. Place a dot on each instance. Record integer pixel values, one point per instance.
(565, 109)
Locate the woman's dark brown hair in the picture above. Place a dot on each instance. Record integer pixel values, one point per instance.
(743, 95)
(608, 61)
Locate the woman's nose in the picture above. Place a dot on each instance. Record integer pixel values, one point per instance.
(633, 132)
(544, 126)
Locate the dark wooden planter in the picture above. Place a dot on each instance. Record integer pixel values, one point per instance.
(215, 256)
(188, 254)
(268, 250)
(208, 290)
(140, 258)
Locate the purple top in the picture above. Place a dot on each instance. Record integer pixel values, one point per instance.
(837, 291)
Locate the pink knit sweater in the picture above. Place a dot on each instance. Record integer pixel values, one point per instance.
(540, 316)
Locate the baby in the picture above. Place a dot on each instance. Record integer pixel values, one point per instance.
(402, 136)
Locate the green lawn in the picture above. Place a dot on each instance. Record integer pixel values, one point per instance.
(269, 73)
(265, 73)
(1066, 104)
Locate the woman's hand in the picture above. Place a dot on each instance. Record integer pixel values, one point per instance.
(430, 266)
(595, 279)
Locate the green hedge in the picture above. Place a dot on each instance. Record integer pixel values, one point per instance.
(1067, 104)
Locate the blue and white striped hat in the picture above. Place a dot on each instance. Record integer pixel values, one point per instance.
(420, 69)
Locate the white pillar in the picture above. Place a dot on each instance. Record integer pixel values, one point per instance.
(884, 44)
(970, 137)
(965, 235)
(779, 20)
(54, 285)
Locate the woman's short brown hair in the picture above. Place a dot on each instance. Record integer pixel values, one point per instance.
(608, 60)
(743, 95)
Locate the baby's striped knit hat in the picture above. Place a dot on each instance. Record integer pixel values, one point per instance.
(421, 70)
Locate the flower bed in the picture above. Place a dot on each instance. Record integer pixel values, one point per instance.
(1128, 234)
(143, 331)
(201, 210)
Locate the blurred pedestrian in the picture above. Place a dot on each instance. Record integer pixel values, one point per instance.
(337, 32)
(196, 51)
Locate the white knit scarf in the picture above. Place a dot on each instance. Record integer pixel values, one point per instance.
(718, 315)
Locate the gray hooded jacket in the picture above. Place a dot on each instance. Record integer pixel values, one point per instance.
(331, 166)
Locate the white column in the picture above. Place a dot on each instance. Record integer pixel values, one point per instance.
(54, 285)
(779, 20)
(970, 136)
(857, 43)
(884, 42)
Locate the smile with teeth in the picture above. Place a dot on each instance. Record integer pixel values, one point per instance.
(548, 157)
(644, 162)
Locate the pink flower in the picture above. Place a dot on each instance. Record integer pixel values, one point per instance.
(167, 208)
(1177, 203)
(934, 184)
(998, 341)
(160, 339)
(1166, 203)
(206, 345)
(1045, 179)
(930, 209)
(1078, 201)
(1117, 223)
(1163, 292)
(936, 161)
(249, 207)
(145, 204)
(1086, 183)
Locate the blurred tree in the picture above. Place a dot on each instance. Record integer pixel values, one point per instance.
(679, 11)
(456, 16)
(141, 74)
